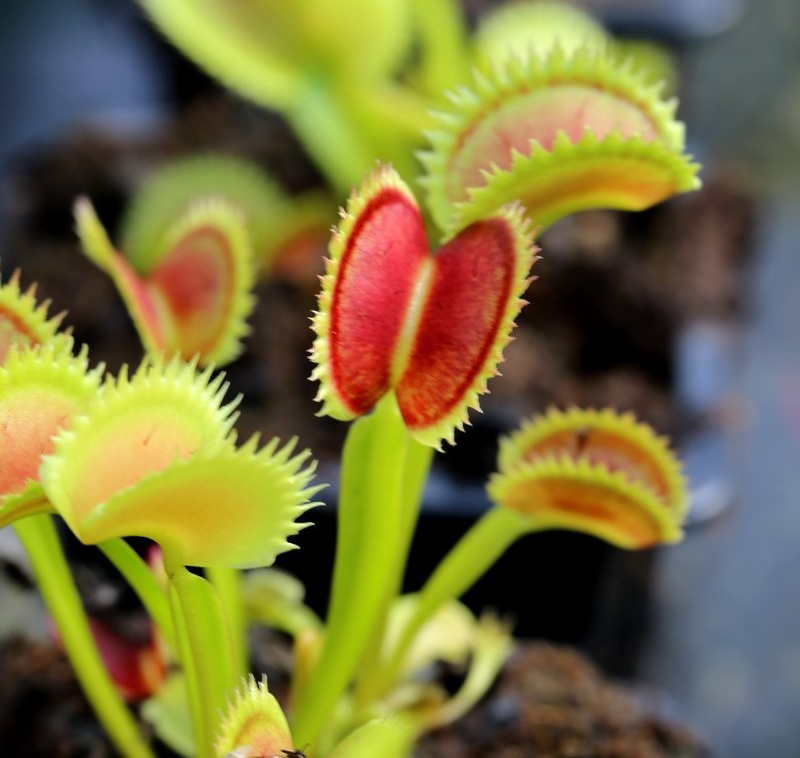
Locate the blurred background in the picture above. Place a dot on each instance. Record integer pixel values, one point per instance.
(704, 344)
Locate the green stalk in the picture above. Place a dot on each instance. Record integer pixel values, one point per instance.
(288, 616)
(325, 127)
(194, 693)
(445, 59)
(391, 120)
(397, 107)
(228, 584)
(415, 474)
(369, 521)
(418, 465)
(53, 577)
(471, 557)
(204, 646)
(144, 583)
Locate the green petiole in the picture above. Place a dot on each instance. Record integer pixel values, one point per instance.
(205, 650)
(327, 132)
(144, 583)
(443, 37)
(370, 517)
(471, 557)
(415, 474)
(38, 536)
(228, 584)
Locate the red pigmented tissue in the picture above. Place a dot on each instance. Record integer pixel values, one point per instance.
(472, 284)
(422, 324)
(376, 282)
(196, 279)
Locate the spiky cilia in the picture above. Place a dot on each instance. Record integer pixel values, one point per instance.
(560, 133)
(195, 297)
(595, 471)
(429, 327)
(154, 457)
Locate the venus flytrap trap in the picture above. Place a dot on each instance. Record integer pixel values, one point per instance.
(434, 325)
(560, 134)
(519, 30)
(156, 448)
(195, 297)
(42, 386)
(577, 456)
(255, 726)
(23, 321)
(590, 471)
(274, 221)
(193, 239)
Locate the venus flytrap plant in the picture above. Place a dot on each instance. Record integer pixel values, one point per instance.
(406, 340)
(42, 386)
(273, 220)
(195, 297)
(254, 726)
(559, 133)
(590, 471)
(343, 76)
(23, 321)
(328, 67)
(414, 337)
(154, 457)
(527, 28)
(194, 236)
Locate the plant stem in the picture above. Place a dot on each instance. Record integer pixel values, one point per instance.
(38, 536)
(144, 583)
(369, 522)
(289, 616)
(415, 474)
(325, 127)
(204, 646)
(391, 120)
(444, 60)
(228, 584)
(418, 465)
(471, 557)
